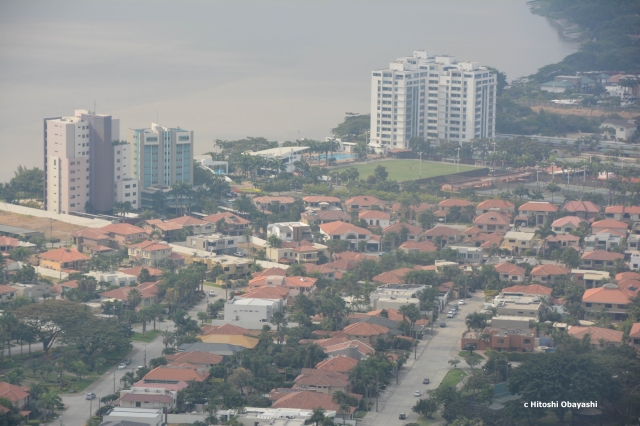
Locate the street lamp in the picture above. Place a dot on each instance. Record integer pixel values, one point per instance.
(458, 162)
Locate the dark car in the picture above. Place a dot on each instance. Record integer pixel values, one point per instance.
(402, 416)
(425, 381)
(443, 324)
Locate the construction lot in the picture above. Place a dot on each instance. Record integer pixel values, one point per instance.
(50, 227)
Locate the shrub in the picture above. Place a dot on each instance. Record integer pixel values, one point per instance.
(33, 422)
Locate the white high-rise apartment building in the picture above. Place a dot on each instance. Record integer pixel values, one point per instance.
(432, 97)
(78, 162)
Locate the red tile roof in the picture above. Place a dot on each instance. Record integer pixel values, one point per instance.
(602, 255)
(185, 374)
(548, 269)
(165, 226)
(341, 228)
(562, 237)
(5, 289)
(392, 277)
(9, 241)
(354, 256)
(374, 214)
(509, 268)
(229, 218)
(147, 290)
(64, 255)
(188, 221)
(361, 346)
(609, 223)
(329, 215)
(136, 270)
(529, 289)
(411, 229)
(581, 206)
(342, 264)
(270, 272)
(308, 400)
(632, 285)
(538, 206)
(443, 231)
(424, 246)
(363, 200)
(365, 329)
(455, 202)
(608, 295)
(320, 378)
(150, 246)
(495, 204)
(623, 209)
(627, 276)
(340, 363)
(266, 292)
(491, 218)
(12, 392)
(635, 330)
(573, 220)
(321, 199)
(596, 334)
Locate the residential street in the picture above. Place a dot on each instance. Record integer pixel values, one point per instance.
(78, 408)
(434, 352)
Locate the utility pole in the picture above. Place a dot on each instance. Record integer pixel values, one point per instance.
(420, 164)
(114, 382)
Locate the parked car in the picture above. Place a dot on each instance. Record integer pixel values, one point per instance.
(127, 361)
(238, 254)
(417, 393)
(449, 315)
(443, 324)
(122, 366)
(140, 367)
(90, 396)
(212, 293)
(425, 381)
(402, 416)
(461, 302)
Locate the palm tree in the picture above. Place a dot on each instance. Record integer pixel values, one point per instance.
(134, 298)
(553, 188)
(404, 310)
(475, 320)
(278, 319)
(168, 338)
(49, 401)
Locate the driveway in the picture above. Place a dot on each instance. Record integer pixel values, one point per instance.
(432, 362)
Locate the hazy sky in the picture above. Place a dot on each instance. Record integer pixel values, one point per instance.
(230, 69)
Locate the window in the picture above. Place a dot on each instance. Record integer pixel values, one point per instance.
(588, 305)
(608, 305)
(500, 340)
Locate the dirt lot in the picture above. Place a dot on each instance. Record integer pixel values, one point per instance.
(584, 111)
(60, 229)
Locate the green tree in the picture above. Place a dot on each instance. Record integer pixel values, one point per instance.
(134, 298)
(570, 258)
(454, 362)
(553, 188)
(425, 407)
(144, 276)
(380, 173)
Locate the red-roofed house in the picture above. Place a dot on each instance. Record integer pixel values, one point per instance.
(563, 241)
(321, 202)
(444, 234)
(501, 206)
(224, 330)
(169, 231)
(418, 247)
(547, 273)
(171, 374)
(200, 358)
(326, 271)
(150, 253)
(319, 217)
(7, 293)
(365, 332)
(8, 243)
(148, 291)
(273, 204)
(599, 337)
(375, 218)
(363, 202)
(412, 232)
(566, 224)
(195, 225)
(624, 213)
(600, 259)
(340, 364)
(278, 292)
(411, 213)
(63, 258)
(609, 297)
(627, 276)
(231, 224)
(352, 348)
(124, 234)
(87, 239)
(323, 381)
(446, 205)
(392, 277)
(509, 272)
(351, 233)
(18, 395)
(583, 209)
(136, 270)
(492, 222)
(634, 336)
(295, 285)
(537, 211)
(612, 224)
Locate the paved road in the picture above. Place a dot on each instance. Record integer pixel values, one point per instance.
(432, 362)
(79, 408)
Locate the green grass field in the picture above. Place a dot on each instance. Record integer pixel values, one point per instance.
(452, 378)
(402, 170)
